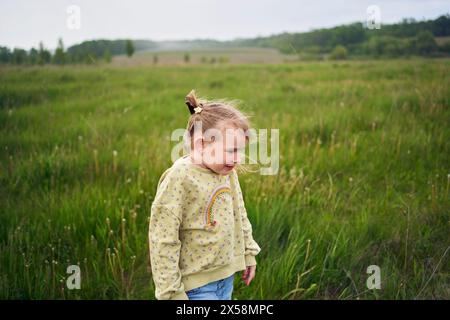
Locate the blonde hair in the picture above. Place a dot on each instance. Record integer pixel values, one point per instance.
(213, 112)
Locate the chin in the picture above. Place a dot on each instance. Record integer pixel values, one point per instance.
(227, 170)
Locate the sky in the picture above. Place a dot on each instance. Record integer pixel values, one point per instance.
(24, 24)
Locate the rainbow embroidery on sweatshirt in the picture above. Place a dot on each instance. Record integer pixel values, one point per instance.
(209, 217)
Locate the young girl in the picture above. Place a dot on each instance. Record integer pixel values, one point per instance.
(199, 233)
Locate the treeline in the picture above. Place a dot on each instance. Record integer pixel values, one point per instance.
(410, 37)
(430, 38)
(87, 52)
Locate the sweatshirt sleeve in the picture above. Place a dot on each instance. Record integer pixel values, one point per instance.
(164, 242)
(251, 247)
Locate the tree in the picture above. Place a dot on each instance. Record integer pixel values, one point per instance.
(33, 56)
(129, 48)
(386, 45)
(59, 57)
(425, 43)
(5, 55)
(339, 52)
(441, 26)
(19, 56)
(44, 55)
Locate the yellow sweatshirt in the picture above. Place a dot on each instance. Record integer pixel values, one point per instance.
(199, 231)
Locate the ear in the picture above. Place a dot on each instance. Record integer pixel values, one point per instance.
(199, 144)
(197, 150)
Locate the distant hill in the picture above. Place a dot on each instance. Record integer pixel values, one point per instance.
(394, 39)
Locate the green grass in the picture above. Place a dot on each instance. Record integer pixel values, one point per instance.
(364, 177)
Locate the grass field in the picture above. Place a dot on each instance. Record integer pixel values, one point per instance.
(364, 179)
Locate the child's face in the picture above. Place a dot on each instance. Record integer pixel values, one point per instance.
(225, 151)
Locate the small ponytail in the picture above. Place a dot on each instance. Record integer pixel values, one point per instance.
(194, 105)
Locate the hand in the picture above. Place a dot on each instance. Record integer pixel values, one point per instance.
(248, 274)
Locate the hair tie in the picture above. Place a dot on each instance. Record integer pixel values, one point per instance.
(198, 109)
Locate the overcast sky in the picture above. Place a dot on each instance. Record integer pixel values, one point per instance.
(25, 23)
